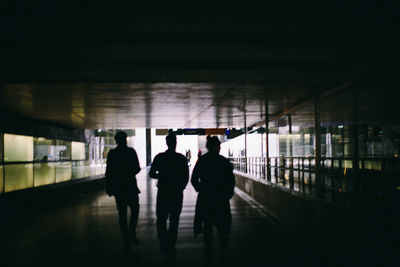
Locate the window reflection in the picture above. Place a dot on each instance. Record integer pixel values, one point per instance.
(44, 149)
(62, 150)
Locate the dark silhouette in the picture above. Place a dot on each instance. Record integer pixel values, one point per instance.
(213, 179)
(122, 166)
(171, 170)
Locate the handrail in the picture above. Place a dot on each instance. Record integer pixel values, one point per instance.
(297, 172)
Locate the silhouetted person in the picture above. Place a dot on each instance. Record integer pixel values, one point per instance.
(213, 179)
(122, 166)
(188, 156)
(171, 170)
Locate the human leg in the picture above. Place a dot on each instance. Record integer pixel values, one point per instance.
(175, 212)
(162, 216)
(207, 232)
(122, 218)
(223, 234)
(134, 207)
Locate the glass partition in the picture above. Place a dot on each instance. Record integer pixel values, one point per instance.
(44, 173)
(44, 149)
(78, 169)
(18, 148)
(62, 150)
(303, 132)
(1, 179)
(63, 171)
(1, 147)
(337, 124)
(27, 161)
(18, 176)
(78, 150)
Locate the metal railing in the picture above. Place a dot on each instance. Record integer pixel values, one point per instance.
(338, 178)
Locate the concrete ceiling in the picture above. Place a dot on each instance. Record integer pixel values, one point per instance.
(167, 72)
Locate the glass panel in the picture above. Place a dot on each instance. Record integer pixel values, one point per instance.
(303, 133)
(44, 173)
(377, 166)
(1, 147)
(78, 150)
(103, 167)
(336, 163)
(87, 168)
(62, 150)
(379, 134)
(337, 125)
(44, 149)
(348, 164)
(18, 148)
(78, 169)
(1, 179)
(279, 141)
(63, 171)
(18, 176)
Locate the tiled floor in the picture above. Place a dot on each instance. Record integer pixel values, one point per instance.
(84, 232)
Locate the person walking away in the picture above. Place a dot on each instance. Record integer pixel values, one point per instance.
(121, 170)
(214, 181)
(172, 172)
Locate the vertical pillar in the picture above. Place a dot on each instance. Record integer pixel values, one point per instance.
(3, 183)
(356, 141)
(290, 135)
(148, 147)
(245, 141)
(317, 118)
(262, 144)
(268, 161)
(291, 179)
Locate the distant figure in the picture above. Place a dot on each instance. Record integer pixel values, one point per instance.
(122, 166)
(213, 179)
(171, 170)
(188, 156)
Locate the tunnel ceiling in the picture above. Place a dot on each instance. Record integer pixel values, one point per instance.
(128, 72)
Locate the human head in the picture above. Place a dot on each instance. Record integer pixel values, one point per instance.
(213, 144)
(120, 138)
(171, 141)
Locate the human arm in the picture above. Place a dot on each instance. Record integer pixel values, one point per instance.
(195, 181)
(154, 169)
(230, 180)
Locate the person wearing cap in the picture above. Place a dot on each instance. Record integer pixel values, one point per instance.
(121, 170)
(214, 181)
(171, 170)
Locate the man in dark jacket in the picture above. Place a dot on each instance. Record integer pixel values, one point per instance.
(214, 180)
(122, 166)
(171, 170)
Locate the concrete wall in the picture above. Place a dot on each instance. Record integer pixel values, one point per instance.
(305, 216)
